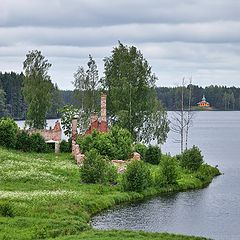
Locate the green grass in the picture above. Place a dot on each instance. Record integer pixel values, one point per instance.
(41, 197)
(128, 235)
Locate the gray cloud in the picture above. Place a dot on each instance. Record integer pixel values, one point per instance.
(107, 12)
(189, 37)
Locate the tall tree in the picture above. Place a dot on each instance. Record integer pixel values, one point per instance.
(132, 99)
(37, 88)
(86, 86)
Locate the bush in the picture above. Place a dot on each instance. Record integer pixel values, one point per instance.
(6, 209)
(141, 149)
(167, 174)
(122, 141)
(104, 145)
(137, 177)
(38, 143)
(111, 173)
(8, 132)
(95, 168)
(191, 159)
(23, 142)
(116, 144)
(205, 173)
(153, 155)
(65, 146)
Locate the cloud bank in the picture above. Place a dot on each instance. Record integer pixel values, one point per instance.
(178, 38)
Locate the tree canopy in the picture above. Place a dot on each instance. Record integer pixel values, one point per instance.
(132, 99)
(86, 84)
(37, 88)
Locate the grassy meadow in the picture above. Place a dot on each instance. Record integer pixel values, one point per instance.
(41, 197)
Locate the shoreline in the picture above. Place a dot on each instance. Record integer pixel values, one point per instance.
(45, 199)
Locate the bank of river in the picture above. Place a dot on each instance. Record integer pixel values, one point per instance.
(211, 212)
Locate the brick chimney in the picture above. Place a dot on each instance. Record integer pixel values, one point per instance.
(74, 129)
(103, 119)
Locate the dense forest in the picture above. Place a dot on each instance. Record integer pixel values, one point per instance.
(219, 97)
(12, 102)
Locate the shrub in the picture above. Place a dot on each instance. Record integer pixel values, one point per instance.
(6, 209)
(206, 173)
(65, 146)
(23, 142)
(104, 145)
(122, 141)
(8, 132)
(116, 144)
(141, 149)
(191, 159)
(111, 173)
(38, 143)
(153, 155)
(94, 169)
(137, 177)
(167, 174)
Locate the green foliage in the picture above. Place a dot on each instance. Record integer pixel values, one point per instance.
(129, 235)
(11, 98)
(31, 143)
(115, 144)
(38, 143)
(191, 159)
(56, 102)
(95, 168)
(23, 142)
(111, 173)
(141, 149)
(68, 112)
(37, 89)
(132, 100)
(8, 132)
(3, 108)
(65, 146)
(122, 141)
(6, 209)
(167, 173)
(48, 201)
(99, 141)
(206, 172)
(153, 155)
(137, 177)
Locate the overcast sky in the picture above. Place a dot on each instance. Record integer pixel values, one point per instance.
(179, 38)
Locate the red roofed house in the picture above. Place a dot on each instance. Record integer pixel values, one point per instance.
(203, 103)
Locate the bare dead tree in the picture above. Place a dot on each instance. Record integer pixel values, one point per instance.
(182, 119)
(178, 123)
(190, 114)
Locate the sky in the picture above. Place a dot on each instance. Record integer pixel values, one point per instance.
(179, 38)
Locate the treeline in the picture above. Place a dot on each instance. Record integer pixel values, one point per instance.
(11, 98)
(12, 102)
(219, 97)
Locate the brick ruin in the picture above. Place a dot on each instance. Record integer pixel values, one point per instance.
(99, 124)
(96, 123)
(51, 136)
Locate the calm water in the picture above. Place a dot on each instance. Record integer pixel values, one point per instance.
(212, 212)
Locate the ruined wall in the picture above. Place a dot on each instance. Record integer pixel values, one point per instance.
(54, 134)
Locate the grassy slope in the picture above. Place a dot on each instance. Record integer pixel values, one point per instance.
(45, 196)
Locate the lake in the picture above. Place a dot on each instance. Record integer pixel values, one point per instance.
(212, 212)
